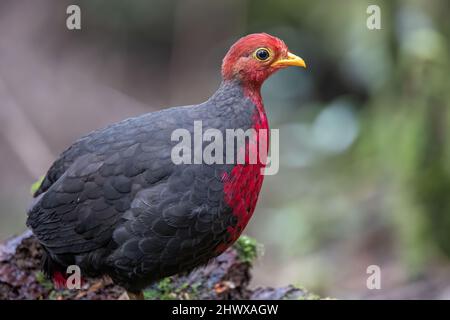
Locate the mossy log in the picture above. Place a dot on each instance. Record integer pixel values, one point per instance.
(225, 277)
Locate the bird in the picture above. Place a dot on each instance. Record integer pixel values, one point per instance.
(115, 204)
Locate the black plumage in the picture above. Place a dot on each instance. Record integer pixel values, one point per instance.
(114, 203)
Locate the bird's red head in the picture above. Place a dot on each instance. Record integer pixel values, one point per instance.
(255, 57)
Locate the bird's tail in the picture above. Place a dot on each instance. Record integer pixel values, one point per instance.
(54, 271)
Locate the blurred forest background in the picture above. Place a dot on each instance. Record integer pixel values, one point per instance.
(364, 131)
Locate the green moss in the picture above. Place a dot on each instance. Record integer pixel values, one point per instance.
(248, 248)
(310, 296)
(165, 285)
(35, 186)
(170, 289)
(164, 290)
(53, 295)
(43, 281)
(151, 294)
(194, 290)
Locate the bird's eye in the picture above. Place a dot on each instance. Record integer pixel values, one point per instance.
(262, 54)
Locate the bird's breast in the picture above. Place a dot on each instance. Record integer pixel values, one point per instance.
(243, 184)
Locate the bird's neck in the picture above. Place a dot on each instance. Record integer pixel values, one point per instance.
(253, 92)
(250, 91)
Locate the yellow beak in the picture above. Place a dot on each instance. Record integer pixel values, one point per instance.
(291, 60)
